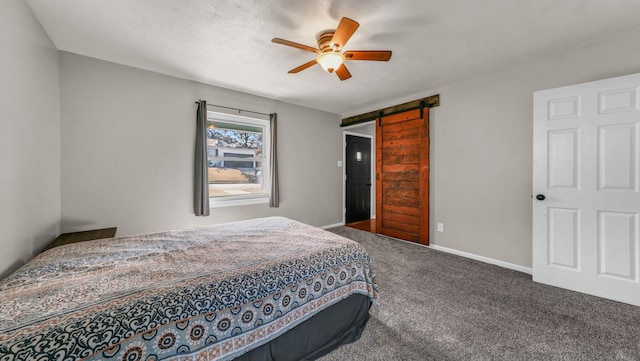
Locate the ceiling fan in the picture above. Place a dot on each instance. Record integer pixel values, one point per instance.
(330, 55)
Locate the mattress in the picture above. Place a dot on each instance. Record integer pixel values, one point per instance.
(209, 293)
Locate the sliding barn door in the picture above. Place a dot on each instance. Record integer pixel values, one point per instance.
(402, 176)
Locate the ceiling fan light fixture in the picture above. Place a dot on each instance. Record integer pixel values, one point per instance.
(330, 54)
(330, 61)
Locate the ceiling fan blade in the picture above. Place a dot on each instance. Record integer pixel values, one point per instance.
(343, 33)
(343, 73)
(302, 67)
(377, 55)
(295, 45)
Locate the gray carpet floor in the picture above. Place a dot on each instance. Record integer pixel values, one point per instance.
(438, 306)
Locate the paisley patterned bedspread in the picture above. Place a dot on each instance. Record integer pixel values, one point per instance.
(210, 293)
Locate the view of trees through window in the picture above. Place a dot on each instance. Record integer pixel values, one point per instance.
(235, 158)
(240, 138)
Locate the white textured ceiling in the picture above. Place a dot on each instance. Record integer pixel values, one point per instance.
(228, 43)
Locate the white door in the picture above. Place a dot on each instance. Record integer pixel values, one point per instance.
(586, 191)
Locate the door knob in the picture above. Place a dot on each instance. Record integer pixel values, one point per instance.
(540, 197)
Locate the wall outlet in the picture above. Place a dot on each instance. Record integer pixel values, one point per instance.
(339, 163)
(440, 227)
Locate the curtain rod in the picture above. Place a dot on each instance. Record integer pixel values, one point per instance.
(239, 110)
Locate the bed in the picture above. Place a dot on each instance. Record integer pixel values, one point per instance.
(265, 289)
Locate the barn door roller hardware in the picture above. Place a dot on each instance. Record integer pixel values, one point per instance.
(428, 102)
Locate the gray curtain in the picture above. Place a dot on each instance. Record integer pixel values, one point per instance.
(274, 195)
(201, 175)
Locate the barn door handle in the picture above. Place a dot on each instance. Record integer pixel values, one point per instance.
(540, 197)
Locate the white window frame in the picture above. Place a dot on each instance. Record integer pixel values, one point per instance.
(254, 198)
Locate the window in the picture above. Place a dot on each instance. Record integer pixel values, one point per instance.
(238, 159)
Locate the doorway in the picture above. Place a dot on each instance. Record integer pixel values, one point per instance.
(358, 160)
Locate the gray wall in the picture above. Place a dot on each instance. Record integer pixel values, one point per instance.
(127, 151)
(30, 136)
(481, 148)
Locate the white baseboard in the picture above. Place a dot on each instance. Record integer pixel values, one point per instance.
(332, 225)
(476, 257)
(495, 262)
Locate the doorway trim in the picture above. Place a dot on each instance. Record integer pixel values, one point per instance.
(372, 212)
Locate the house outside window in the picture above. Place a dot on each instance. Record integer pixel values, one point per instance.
(237, 159)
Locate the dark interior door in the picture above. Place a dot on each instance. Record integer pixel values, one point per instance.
(358, 182)
(402, 176)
